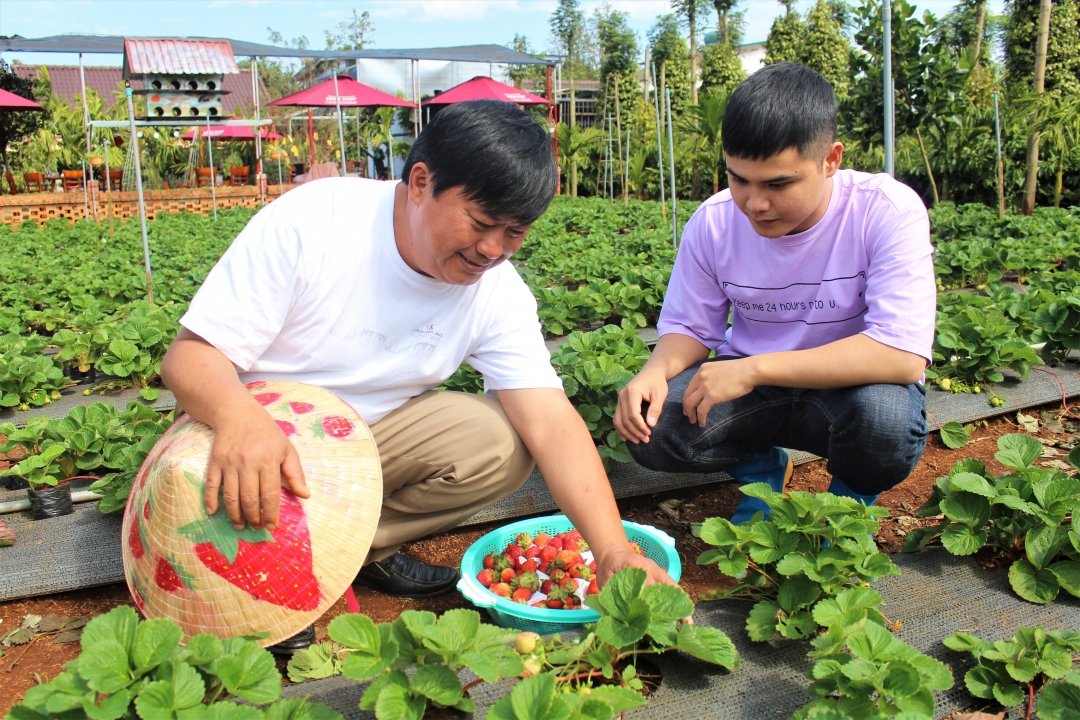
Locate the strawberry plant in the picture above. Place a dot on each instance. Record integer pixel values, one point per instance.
(1060, 699)
(594, 367)
(1058, 325)
(862, 672)
(1011, 671)
(133, 669)
(815, 546)
(49, 460)
(1029, 514)
(973, 343)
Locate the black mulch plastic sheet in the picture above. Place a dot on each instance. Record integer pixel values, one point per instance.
(936, 595)
(1044, 385)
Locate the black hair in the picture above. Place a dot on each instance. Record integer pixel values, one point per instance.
(780, 106)
(500, 157)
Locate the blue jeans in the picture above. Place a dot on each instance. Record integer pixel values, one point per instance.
(872, 435)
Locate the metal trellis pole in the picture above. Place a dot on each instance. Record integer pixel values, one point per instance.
(1000, 162)
(626, 172)
(213, 172)
(340, 130)
(142, 204)
(659, 137)
(108, 188)
(671, 160)
(890, 100)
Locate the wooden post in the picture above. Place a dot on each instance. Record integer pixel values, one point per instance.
(1031, 180)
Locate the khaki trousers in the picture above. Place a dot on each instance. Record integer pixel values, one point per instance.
(445, 456)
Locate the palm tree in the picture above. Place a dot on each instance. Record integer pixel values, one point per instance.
(574, 142)
(1056, 120)
(702, 123)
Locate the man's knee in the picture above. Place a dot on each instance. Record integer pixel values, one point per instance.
(506, 460)
(882, 437)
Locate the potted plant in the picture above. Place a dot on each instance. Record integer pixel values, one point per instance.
(48, 466)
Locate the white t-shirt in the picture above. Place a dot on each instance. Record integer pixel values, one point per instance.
(315, 290)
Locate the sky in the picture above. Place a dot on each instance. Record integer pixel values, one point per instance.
(398, 23)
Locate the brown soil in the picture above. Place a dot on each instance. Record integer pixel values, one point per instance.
(43, 660)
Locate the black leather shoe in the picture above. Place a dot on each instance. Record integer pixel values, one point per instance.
(403, 576)
(300, 641)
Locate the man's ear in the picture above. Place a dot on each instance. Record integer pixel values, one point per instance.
(419, 182)
(833, 158)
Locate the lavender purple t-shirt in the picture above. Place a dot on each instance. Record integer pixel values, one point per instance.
(865, 267)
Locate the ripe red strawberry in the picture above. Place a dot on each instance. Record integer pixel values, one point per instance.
(543, 567)
(568, 584)
(541, 539)
(255, 385)
(566, 558)
(266, 398)
(507, 575)
(301, 407)
(334, 425)
(557, 574)
(539, 604)
(514, 551)
(548, 553)
(571, 603)
(165, 576)
(501, 562)
(581, 546)
(489, 562)
(485, 577)
(545, 587)
(593, 588)
(528, 580)
(581, 571)
(528, 566)
(134, 541)
(554, 603)
(272, 566)
(286, 427)
(592, 566)
(533, 551)
(521, 595)
(556, 542)
(501, 589)
(572, 535)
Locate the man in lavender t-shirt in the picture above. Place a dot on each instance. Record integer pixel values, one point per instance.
(829, 282)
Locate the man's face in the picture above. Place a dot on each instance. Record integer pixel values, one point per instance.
(453, 240)
(785, 193)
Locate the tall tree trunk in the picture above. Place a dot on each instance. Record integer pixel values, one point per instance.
(692, 17)
(573, 127)
(1031, 181)
(980, 25)
(926, 159)
(1057, 183)
(622, 161)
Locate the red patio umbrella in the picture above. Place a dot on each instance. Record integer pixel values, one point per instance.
(348, 93)
(231, 132)
(484, 88)
(11, 101)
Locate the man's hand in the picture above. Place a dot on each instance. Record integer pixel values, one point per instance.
(250, 457)
(649, 386)
(616, 559)
(715, 383)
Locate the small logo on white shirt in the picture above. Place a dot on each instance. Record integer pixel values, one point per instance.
(428, 333)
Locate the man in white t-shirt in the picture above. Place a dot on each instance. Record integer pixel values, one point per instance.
(378, 292)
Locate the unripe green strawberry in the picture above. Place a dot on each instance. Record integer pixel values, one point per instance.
(532, 667)
(526, 643)
(528, 580)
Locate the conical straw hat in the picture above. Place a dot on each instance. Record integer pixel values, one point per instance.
(206, 576)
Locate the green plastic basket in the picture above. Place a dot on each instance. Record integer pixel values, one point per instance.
(657, 545)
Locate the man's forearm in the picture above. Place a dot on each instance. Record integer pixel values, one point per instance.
(564, 451)
(855, 360)
(203, 380)
(674, 353)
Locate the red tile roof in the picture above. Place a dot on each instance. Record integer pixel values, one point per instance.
(104, 80)
(173, 56)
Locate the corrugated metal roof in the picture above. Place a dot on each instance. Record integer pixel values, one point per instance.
(173, 56)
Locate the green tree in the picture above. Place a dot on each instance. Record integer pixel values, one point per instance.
(691, 12)
(520, 73)
(568, 26)
(1062, 51)
(824, 47)
(619, 52)
(15, 126)
(785, 36)
(280, 77)
(672, 59)
(703, 124)
(721, 69)
(352, 34)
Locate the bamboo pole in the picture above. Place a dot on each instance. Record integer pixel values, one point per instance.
(142, 203)
(671, 159)
(659, 142)
(1000, 164)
